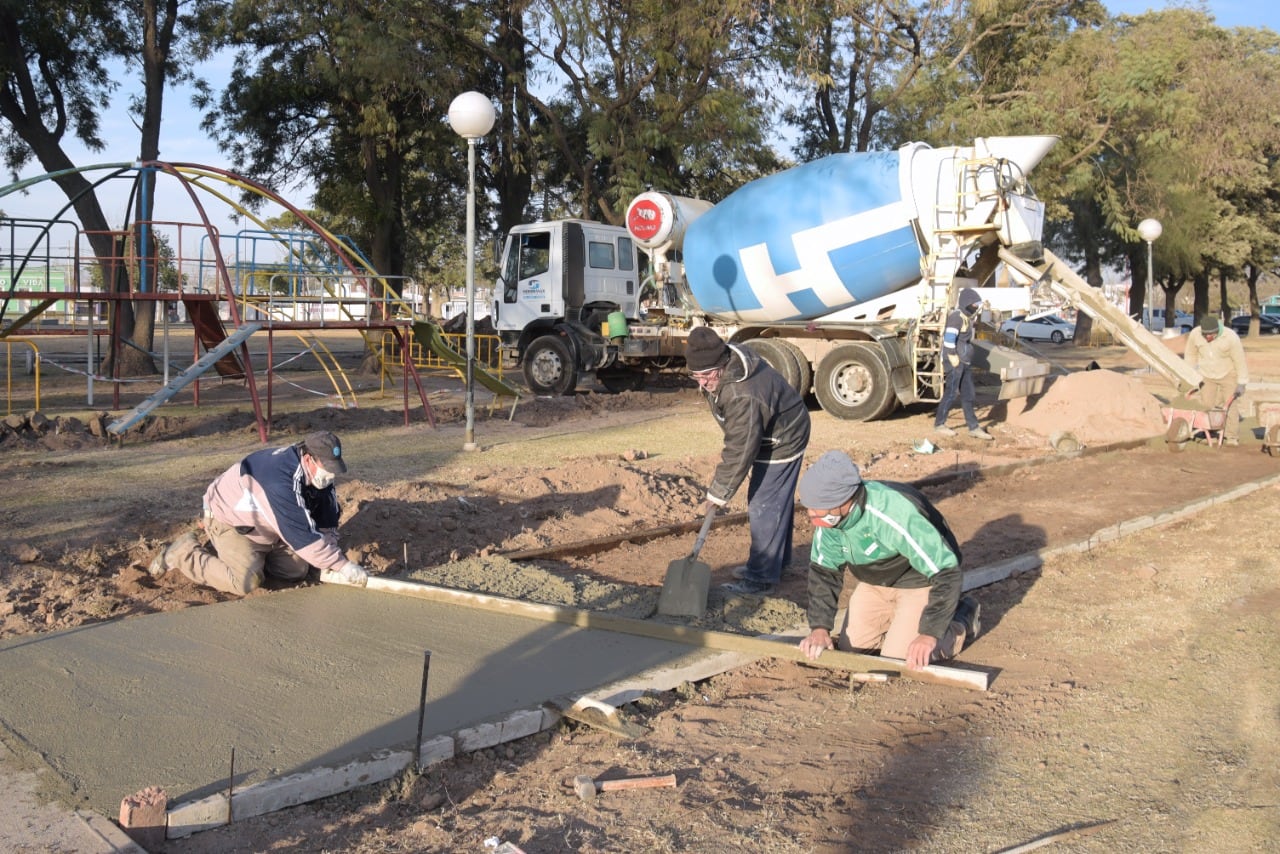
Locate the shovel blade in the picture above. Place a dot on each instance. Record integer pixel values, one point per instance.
(685, 588)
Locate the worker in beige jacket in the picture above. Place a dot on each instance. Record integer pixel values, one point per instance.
(1216, 352)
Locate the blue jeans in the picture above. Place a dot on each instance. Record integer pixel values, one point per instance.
(959, 381)
(771, 507)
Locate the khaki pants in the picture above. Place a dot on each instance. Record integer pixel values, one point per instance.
(237, 564)
(1217, 393)
(887, 619)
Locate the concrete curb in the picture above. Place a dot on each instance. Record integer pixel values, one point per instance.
(1033, 560)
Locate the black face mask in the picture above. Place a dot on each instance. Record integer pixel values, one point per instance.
(972, 309)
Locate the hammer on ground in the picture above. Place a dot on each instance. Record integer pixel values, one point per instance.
(587, 787)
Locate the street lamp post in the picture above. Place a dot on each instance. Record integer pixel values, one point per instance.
(1150, 230)
(471, 115)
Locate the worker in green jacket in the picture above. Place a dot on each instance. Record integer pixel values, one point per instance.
(907, 603)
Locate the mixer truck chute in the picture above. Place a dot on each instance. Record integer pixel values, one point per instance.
(839, 272)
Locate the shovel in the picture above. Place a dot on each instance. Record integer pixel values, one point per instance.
(684, 590)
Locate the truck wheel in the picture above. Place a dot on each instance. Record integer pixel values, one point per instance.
(549, 367)
(853, 384)
(778, 357)
(804, 372)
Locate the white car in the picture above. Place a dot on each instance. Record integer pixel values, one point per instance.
(1044, 327)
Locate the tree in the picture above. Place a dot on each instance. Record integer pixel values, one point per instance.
(55, 78)
(53, 83)
(1144, 106)
(171, 30)
(624, 96)
(883, 73)
(352, 96)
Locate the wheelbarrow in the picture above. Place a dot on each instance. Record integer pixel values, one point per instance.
(1184, 425)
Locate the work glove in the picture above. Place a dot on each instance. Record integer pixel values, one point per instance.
(1240, 390)
(349, 573)
(953, 360)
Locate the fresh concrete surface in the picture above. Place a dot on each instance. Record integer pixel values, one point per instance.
(296, 680)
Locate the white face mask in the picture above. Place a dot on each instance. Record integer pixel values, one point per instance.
(322, 477)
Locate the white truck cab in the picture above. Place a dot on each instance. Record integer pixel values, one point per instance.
(560, 283)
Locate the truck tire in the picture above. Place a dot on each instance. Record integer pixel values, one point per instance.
(852, 383)
(778, 357)
(804, 383)
(549, 367)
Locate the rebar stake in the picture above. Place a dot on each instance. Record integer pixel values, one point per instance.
(422, 708)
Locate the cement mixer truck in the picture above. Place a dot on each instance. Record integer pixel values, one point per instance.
(839, 273)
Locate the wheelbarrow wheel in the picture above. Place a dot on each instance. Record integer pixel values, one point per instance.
(1272, 439)
(1178, 434)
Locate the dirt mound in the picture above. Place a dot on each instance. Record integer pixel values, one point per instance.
(1097, 407)
(432, 522)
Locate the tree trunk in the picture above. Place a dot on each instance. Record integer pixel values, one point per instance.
(1200, 286)
(1092, 275)
(1223, 303)
(1138, 279)
(512, 183)
(136, 322)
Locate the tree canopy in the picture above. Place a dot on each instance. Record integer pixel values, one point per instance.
(1164, 114)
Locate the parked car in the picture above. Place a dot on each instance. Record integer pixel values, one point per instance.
(1181, 321)
(1268, 324)
(1045, 327)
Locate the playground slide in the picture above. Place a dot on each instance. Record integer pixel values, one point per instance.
(428, 335)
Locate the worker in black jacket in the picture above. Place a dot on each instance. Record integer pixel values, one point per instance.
(766, 430)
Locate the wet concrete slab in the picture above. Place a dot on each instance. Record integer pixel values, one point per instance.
(300, 679)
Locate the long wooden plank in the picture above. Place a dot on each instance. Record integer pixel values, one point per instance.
(763, 647)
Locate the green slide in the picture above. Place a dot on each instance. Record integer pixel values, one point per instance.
(429, 336)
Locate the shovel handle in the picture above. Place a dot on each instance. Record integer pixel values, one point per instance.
(702, 534)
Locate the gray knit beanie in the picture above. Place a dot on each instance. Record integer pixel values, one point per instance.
(830, 481)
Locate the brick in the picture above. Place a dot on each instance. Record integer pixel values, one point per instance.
(143, 817)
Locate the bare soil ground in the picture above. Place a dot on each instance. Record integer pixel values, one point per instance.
(1133, 682)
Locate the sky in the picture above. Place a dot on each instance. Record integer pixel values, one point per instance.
(183, 141)
(1226, 13)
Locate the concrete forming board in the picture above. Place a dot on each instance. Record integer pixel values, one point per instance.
(301, 679)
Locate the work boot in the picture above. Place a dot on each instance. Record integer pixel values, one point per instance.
(979, 433)
(747, 587)
(739, 572)
(943, 430)
(1233, 442)
(160, 564)
(969, 614)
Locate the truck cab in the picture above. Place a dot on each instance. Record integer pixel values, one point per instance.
(559, 285)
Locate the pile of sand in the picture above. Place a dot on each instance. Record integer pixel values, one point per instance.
(1097, 407)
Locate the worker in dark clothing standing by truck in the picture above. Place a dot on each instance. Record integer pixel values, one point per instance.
(766, 430)
(957, 359)
(906, 560)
